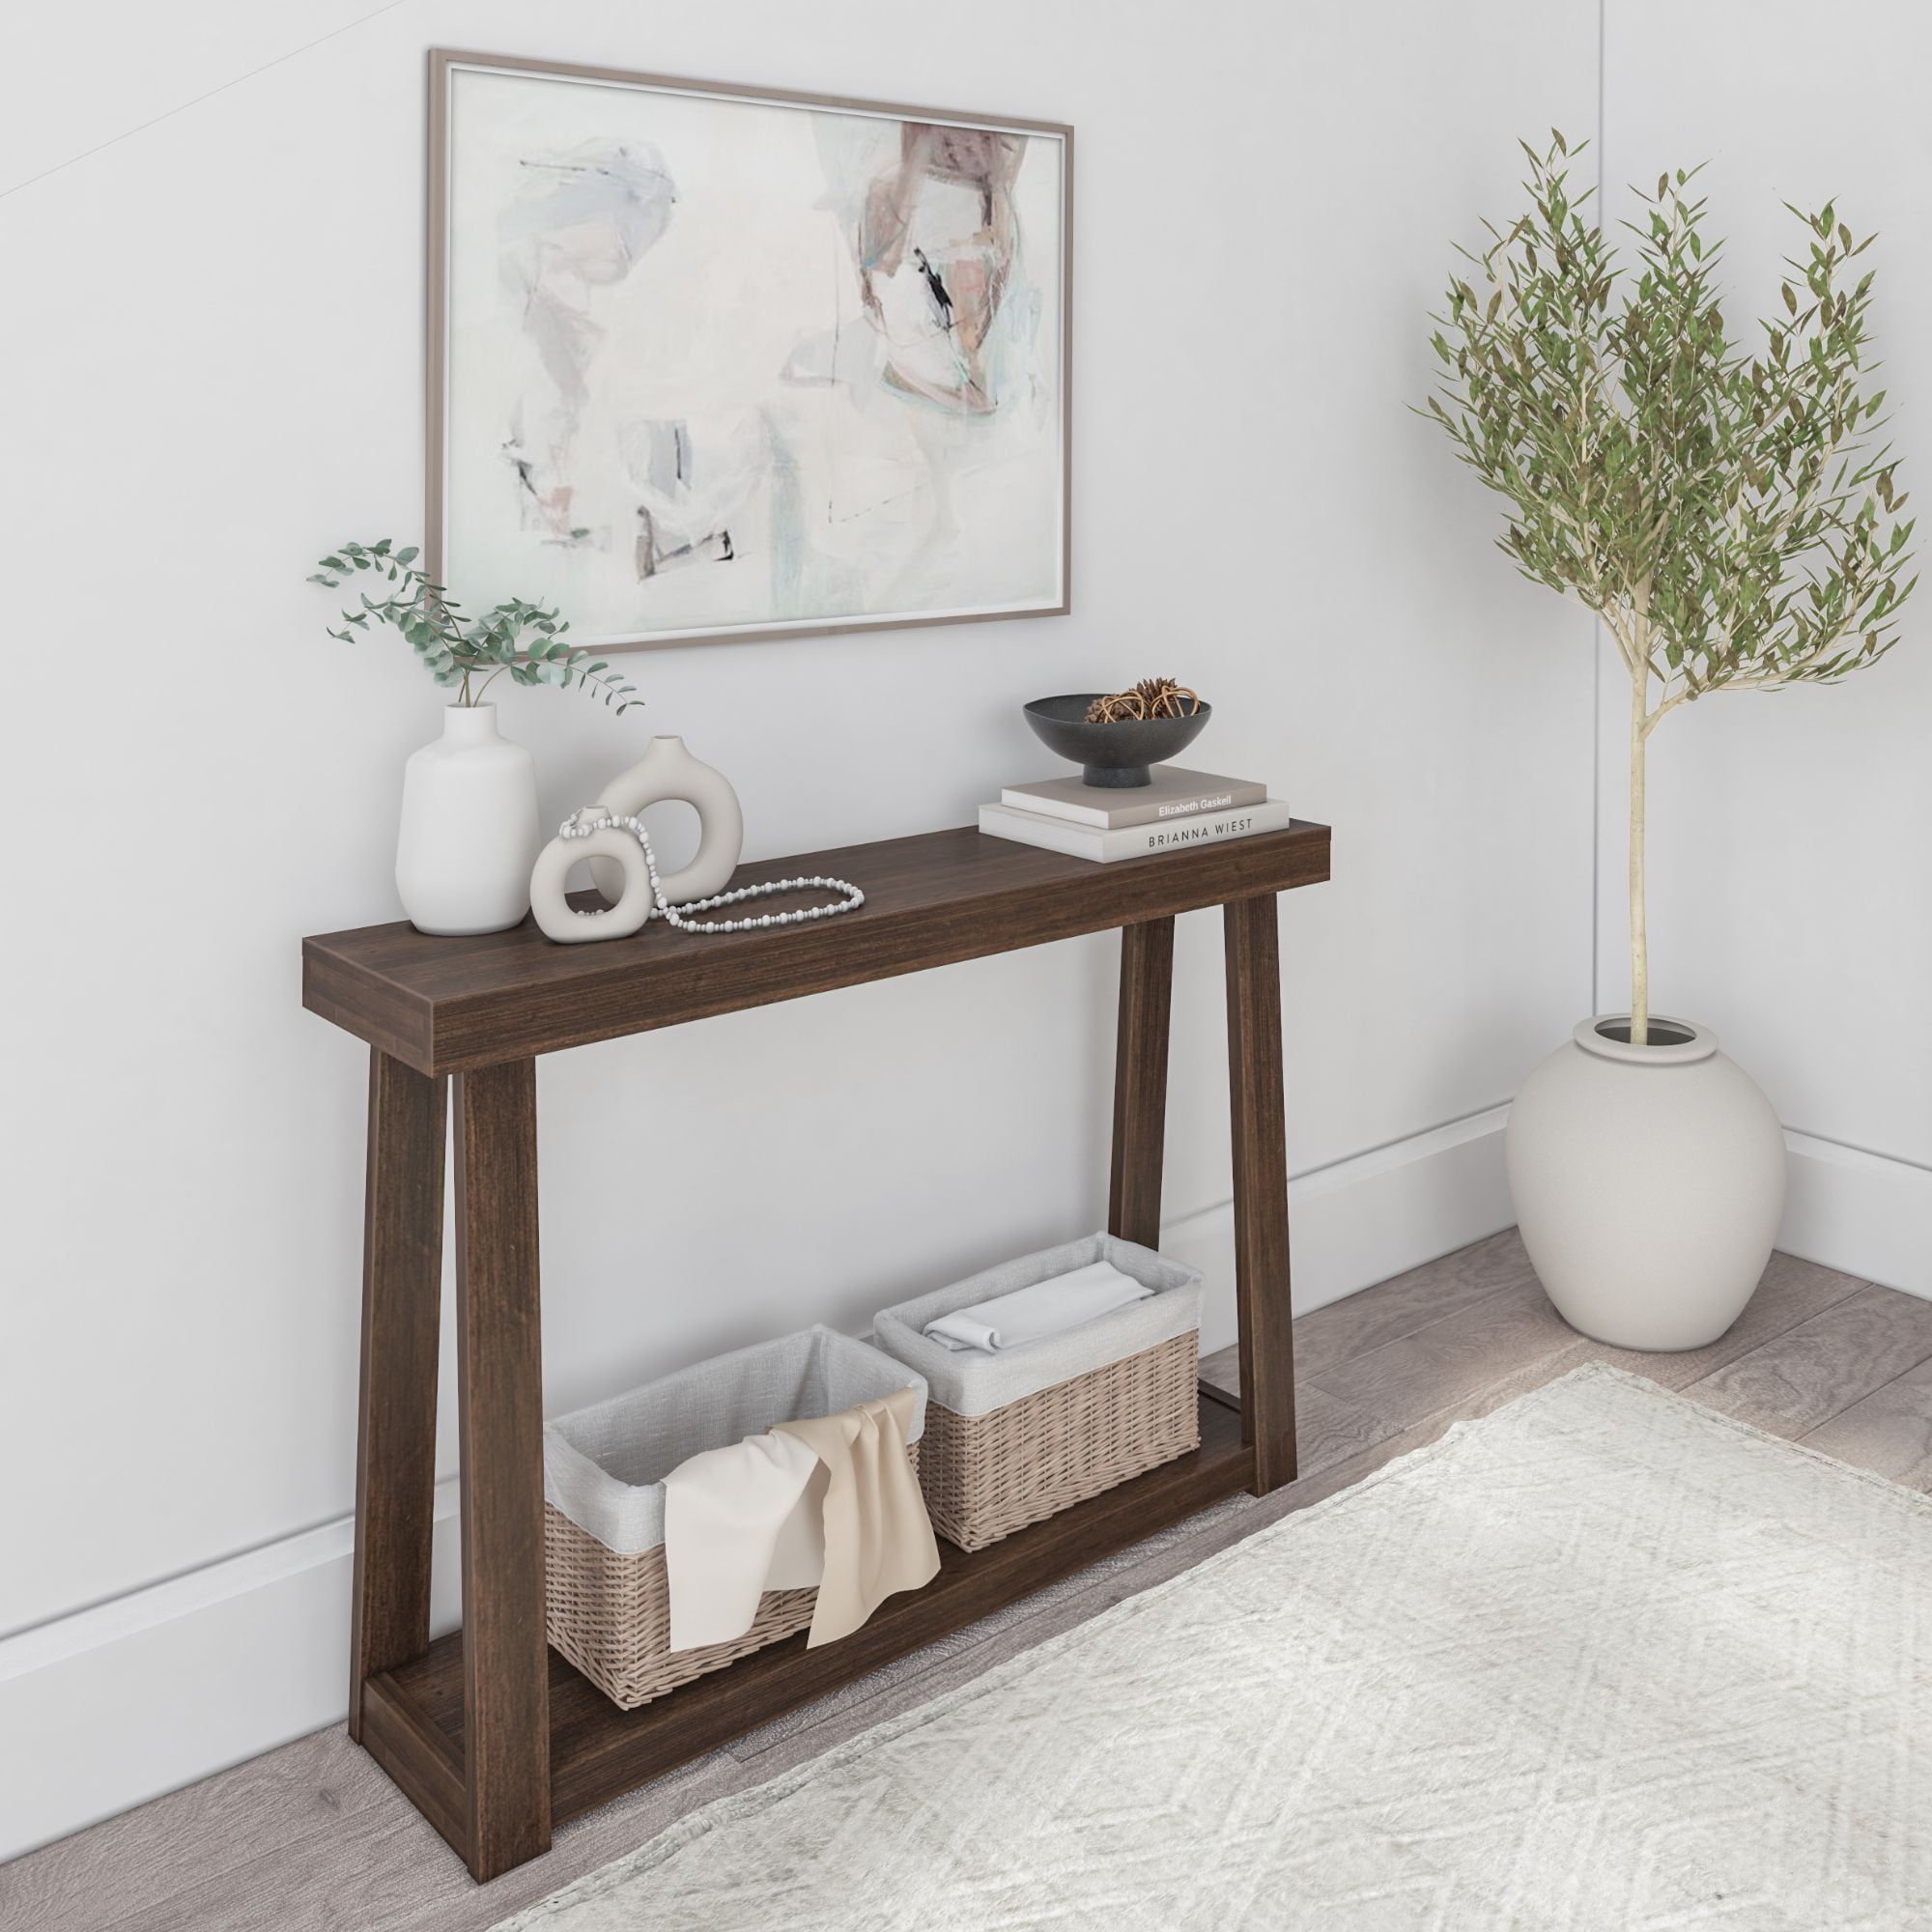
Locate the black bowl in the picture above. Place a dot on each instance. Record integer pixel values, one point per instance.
(1112, 754)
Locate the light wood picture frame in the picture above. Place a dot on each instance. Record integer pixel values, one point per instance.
(709, 364)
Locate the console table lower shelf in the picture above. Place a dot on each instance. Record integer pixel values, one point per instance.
(413, 1716)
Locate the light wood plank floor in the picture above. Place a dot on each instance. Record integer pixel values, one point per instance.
(314, 1836)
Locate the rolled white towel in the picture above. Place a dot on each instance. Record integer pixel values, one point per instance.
(1048, 1307)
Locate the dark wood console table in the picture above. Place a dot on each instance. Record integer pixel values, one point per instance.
(488, 1734)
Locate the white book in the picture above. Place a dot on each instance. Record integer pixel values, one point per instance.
(1131, 841)
(1171, 793)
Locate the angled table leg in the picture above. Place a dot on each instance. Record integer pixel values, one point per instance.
(1140, 1081)
(499, 1381)
(1261, 1187)
(395, 1449)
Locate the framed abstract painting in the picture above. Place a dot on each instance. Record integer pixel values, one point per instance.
(711, 363)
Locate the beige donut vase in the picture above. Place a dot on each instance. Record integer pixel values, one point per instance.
(667, 771)
(621, 854)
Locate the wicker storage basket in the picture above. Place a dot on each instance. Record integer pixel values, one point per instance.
(608, 1604)
(1019, 1436)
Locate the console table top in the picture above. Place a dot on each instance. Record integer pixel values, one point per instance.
(443, 1005)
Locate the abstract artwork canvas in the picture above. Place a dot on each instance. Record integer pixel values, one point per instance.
(712, 364)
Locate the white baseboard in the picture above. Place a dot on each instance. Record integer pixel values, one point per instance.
(1868, 1215)
(110, 1706)
(1366, 1218)
(113, 1705)
(1357, 1221)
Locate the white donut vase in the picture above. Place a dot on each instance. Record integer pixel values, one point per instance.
(667, 771)
(621, 856)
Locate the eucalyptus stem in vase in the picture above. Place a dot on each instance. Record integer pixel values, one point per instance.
(515, 636)
(468, 839)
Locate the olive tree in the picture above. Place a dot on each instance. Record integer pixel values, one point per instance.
(1717, 503)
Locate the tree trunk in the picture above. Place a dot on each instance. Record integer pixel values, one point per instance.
(1639, 942)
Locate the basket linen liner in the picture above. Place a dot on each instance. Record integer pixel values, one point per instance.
(604, 1466)
(971, 1384)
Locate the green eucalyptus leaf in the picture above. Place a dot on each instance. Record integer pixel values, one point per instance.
(453, 649)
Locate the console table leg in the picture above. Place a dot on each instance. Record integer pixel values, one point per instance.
(1260, 1188)
(1140, 1081)
(395, 1449)
(500, 1384)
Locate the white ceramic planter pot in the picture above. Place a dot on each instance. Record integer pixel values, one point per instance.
(468, 834)
(1648, 1183)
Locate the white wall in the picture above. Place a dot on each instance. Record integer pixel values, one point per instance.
(1789, 904)
(213, 347)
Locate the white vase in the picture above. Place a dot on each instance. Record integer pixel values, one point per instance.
(596, 837)
(667, 770)
(468, 834)
(1648, 1183)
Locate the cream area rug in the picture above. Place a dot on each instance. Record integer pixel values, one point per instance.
(1603, 1659)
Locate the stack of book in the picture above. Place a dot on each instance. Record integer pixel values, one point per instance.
(1178, 809)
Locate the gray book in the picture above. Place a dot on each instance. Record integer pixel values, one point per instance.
(1132, 841)
(1174, 794)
